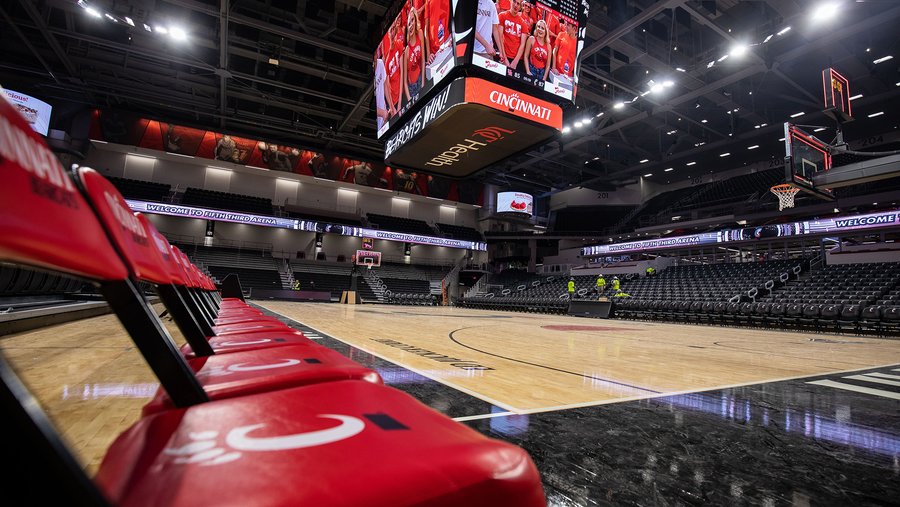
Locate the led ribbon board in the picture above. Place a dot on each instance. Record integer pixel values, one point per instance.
(827, 225)
(295, 224)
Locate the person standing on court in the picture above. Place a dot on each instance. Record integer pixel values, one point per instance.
(601, 284)
(571, 287)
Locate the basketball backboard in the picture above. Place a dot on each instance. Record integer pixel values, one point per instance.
(805, 157)
(368, 258)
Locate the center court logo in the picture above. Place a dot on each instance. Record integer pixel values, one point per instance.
(515, 103)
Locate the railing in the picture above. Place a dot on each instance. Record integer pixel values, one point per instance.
(377, 285)
(478, 287)
(450, 282)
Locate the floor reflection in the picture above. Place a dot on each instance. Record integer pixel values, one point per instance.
(100, 391)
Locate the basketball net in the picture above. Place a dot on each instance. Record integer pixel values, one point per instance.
(785, 193)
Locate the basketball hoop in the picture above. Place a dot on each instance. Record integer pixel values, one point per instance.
(785, 193)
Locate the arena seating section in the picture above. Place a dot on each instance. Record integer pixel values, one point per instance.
(17, 281)
(255, 268)
(521, 291)
(396, 224)
(329, 276)
(223, 200)
(786, 294)
(409, 284)
(142, 190)
(459, 232)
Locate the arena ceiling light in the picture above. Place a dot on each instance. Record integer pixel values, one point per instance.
(178, 34)
(797, 114)
(161, 29)
(738, 50)
(566, 129)
(645, 161)
(784, 30)
(578, 124)
(859, 96)
(825, 12)
(648, 175)
(670, 169)
(618, 105)
(726, 154)
(883, 59)
(755, 146)
(879, 113)
(690, 164)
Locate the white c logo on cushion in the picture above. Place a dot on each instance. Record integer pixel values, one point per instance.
(238, 438)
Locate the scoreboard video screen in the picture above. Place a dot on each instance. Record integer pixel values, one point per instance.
(533, 41)
(415, 54)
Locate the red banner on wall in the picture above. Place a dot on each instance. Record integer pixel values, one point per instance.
(124, 128)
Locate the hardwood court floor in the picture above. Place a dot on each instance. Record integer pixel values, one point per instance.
(533, 362)
(88, 377)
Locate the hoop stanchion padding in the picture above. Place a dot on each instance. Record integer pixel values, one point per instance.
(228, 375)
(339, 444)
(44, 221)
(785, 194)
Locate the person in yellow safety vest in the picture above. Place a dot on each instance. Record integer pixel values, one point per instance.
(621, 294)
(571, 287)
(651, 271)
(615, 284)
(296, 284)
(601, 284)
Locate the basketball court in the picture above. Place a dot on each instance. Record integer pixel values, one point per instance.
(533, 363)
(90, 378)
